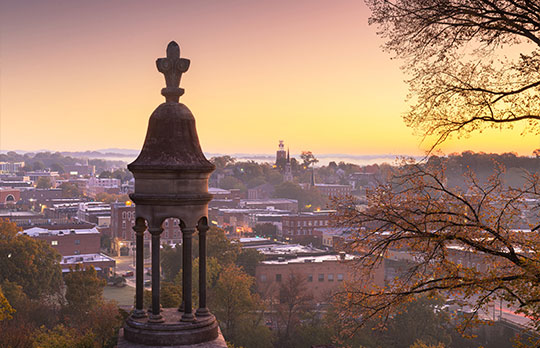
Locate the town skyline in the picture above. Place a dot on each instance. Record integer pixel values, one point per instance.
(311, 73)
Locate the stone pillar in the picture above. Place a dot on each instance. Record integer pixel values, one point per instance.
(187, 234)
(155, 316)
(202, 310)
(139, 271)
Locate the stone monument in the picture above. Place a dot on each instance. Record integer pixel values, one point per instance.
(171, 181)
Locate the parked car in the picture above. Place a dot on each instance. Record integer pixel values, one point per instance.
(147, 283)
(129, 274)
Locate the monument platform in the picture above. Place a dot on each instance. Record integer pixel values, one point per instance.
(172, 332)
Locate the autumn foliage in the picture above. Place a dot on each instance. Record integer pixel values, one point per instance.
(463, 244)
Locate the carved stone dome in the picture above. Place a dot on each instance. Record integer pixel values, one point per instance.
(171, 142)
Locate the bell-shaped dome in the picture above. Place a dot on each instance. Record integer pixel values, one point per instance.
(171, 142)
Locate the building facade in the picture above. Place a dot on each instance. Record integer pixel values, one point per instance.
(322, 275)
(302, 226)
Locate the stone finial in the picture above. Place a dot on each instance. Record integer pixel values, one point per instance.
(172, 67)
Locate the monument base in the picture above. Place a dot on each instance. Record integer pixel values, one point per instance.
(172, 332)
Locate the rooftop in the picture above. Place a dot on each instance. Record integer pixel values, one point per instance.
(40, 231)
(308, 259)
(288, 249)
(73, 259)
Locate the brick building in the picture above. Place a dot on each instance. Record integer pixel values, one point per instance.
(123, 220)
(72, 239)
(9, 196)
(323, 275)
(302, 227)
(77, 244)
(108, 185)
(264, 191)
(40, 197)
(98, 213)
(332, 190)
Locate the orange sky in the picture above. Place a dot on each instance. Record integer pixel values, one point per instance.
(80, 75)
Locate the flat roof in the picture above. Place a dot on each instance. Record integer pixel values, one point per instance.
(287, 249)
(74, 259)
(215, 190)
(268, 201)
(309, 259)
(40, 231)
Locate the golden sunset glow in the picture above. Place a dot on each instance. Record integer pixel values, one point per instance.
(80, 75)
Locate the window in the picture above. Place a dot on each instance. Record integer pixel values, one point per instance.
(321, 277)
(123, 215)
(123, 224)
(263, 277)
(310, 278)
(77, 252)
(54, 242)
(77, 241)
(340, 277)
(278, 278)
(330, 277)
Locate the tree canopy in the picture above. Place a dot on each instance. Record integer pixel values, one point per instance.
(461, 243)
(31, 263)
(459, 79)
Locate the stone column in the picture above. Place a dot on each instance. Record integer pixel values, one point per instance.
(139, 271)
(155, 316)
(187, 234)
(202, 310)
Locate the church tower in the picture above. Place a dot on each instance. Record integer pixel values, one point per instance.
(287, 173)
(281, 155)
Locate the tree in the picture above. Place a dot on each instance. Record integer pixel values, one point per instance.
(462, 244)
(293, 302)
(460, 81)
(63, 337)
(84, 291)
(171, 261)
(70, 190)
(230, 182)
(265, 230)
(248, 259)
(213, 269)
(218, 246)
(5, 308)
(309, 199)
(171, 295)
(420, 321)
(43, 182)
(31, 263)
(106, 174)
(232, 301)
(38, 165)
(111, 198)
(421, 344)
(222, 161)
(308, 158)
(102, 324)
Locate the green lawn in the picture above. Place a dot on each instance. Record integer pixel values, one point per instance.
(124, 296)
